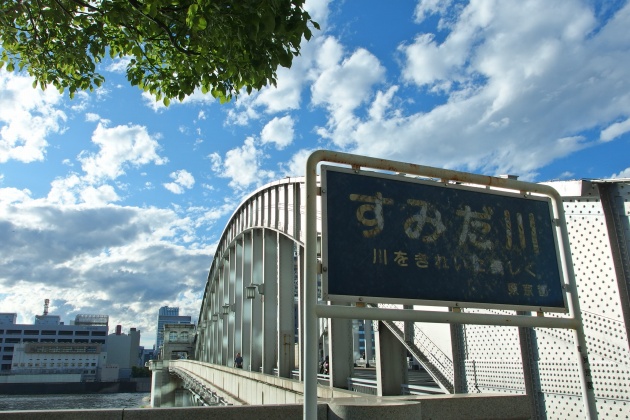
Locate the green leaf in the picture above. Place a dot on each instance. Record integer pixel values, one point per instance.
(176, 46)
(285, 60)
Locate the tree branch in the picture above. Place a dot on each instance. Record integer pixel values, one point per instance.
(88, 6)
(164, 28)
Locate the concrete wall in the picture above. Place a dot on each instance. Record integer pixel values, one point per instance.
(163, 386)
(242, 387)
(445, 407)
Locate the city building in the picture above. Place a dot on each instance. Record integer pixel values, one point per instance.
(46, 329)
(6, 318)
(57, 362)
(146, 355)
(49, 356)
(123, 350)
(178, 342)
(168, 315)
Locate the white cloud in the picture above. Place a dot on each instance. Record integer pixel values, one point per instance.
(119, 65)
(426, 8)
(342, 88)
(81, 100)
(297, 165)
(428, 62)
(243, 111)
(92, 117)
(13, 195)
(615, 130)
(101, 260)
(278, 131)
(286, 95)
(623, 174)
(66, 191)
(120, 147)
(156, 106)
(216, 160)
(99, 196)
(196, 98)
(75, 190)
(182, 180)
(318, 9)
(510, 89)
(382, 103)
(327, 56)
(214, 214)
(242, 166)
(27, 117)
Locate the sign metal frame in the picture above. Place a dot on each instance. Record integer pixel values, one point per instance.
(314, 309)
(402, 277)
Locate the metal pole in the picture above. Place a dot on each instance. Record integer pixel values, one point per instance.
(351, 312)
(310, 289)
(588, 392)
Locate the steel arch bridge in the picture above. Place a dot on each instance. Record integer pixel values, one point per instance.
(253, 301)
(262, 244)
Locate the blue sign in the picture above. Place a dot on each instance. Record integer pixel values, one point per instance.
(394, 238)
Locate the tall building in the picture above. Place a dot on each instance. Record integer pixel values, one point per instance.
(168, 315)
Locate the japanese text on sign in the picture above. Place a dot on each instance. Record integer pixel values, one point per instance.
(410, 239)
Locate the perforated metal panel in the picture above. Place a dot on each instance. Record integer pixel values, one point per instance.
(494, 363)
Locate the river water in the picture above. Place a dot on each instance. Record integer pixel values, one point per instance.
(74, 401)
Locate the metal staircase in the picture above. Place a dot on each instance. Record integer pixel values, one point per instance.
(430, 356)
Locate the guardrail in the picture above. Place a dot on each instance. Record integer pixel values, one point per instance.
(369, 386)
(420, 390)
(364, 386)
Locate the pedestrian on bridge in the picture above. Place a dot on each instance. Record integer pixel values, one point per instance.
(238, 361)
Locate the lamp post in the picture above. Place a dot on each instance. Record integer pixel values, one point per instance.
(250, 291)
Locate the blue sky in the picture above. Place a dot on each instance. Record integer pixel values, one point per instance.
(112, 204)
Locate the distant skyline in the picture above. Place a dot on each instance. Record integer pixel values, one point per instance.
(112, 204)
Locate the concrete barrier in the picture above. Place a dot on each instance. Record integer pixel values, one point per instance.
(434, 407)
(259, 412)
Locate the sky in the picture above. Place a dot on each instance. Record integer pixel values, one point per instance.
(111, 203)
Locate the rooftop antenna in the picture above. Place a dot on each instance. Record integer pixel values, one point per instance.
(46, 302)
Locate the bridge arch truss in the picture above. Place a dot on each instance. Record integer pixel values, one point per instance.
(261, 245)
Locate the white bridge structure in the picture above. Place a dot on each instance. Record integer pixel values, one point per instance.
(253, 304)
